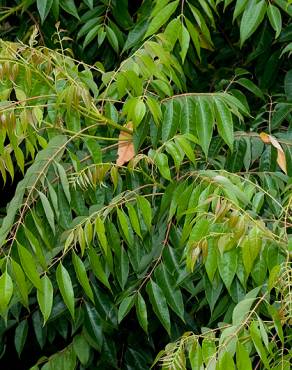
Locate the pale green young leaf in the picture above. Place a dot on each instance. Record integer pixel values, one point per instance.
(195, 356)
(243, 361)
(256, 338)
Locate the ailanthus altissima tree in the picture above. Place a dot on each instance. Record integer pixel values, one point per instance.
(146, 165)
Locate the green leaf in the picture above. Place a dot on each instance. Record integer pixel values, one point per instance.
(195, 356)
(81, 348)
(125, 306)
(224, 122)
(204, 123)
(44, 7)
(227, 265)
(37, 170)
(159, 304)
(243, 361)
(288, 84)
(97, 267)
(226, 362)
(94, 149)
(249, 85)
(70, 7)
(134, 219)
(146, 211)
(112, 38)
(239, 8)
(93, 326)
(123, 222)
(275, 18)
(209, 351)
(19, 278)
(20, 336)
(155, 109)
(48, 210)
(82, 276)
(64, 182)
(141, 311)
(241, 310)
(29, 266)
(184, 41)
(172, 293)
(252, 17)
(161, 18)
(161, 161)
(122, 268)
(66, 288)
(186, 147)
(256, 338)
(45, 297)
(6, 289)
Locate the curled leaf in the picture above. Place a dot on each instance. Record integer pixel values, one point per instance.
(126, 149)
(281, 158)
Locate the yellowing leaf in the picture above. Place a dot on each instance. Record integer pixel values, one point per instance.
(126, 149)
(281, 158)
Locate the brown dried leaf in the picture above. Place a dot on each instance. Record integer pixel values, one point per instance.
(126, 149)
(281, 158)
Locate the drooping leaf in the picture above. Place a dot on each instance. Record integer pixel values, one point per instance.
(252, 17)
(161, 18)
(6, 288)
(66, 288)
(126, 150)
(159, 304)
(45, 297)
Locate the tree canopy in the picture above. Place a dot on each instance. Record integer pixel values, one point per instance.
(146, 173)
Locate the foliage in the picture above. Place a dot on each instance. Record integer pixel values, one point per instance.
(149, 149)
